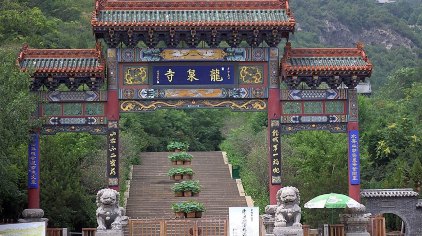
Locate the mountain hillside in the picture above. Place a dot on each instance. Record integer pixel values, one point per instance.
(392, 32)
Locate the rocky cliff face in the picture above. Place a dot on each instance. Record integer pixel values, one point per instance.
(335, 33)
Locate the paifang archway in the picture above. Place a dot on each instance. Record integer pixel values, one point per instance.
(184, 75)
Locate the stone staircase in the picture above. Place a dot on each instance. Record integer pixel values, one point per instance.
(150, 193)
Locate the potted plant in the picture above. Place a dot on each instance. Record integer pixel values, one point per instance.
(193, 209)
(178, 190)
(178, 209)
(180, 158)
(188, 188)
(190, 209)
(191, 188)
(175, 146)
(180, 173)
(175, 173)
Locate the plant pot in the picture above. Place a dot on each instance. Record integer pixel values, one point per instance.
(187, 194)
(172, 177)
(178, 194)
(177, 177)
(180, 215)
(187, 162)
(174, 162)
(179, 162)
(177, 150)
(191, 215)
(187, 177)
(198, 214)
(195, 194)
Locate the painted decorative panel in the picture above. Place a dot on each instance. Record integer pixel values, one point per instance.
(193, 54)
(141, 94)
(94, 109)
(251, 75)
(211, 54)
(313, 119)
(73, 96)
(292, 107)
(72, 109)
(52, 109)
(92, 129)
(313, 94)
(112, 68)
(334, 107)
(75, 120)
(332, 127)
(135, 75)
(239, 105)
(353, 105)
(312, 108)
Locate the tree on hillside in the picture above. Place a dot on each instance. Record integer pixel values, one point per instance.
(16, 105)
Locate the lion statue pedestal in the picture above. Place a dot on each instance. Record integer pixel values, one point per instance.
(284, 218)
(110, 217)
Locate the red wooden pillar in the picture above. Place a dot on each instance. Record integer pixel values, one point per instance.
(274, 135)
(34, 170)
(112, 112)
(353, 147)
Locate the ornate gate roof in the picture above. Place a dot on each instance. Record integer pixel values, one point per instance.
(51, 67)
(330, 65)
(191, 21)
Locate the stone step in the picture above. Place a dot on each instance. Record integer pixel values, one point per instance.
(150, 191)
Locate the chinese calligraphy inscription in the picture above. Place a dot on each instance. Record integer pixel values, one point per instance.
(354, 157)
(33, 161)
(193, 75)
(113, 154)
(275, 151)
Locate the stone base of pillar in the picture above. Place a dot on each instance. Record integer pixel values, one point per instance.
(109, 232)
(288, 231)
(33, 215)
(355, 224)
(358, 234)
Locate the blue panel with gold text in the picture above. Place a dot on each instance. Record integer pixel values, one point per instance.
(193, 75)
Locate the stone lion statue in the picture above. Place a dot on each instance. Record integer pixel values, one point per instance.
(109, 214)
(288, 212)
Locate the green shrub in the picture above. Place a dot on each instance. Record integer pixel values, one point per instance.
(177, 207)
(180, 171)
(177, 188)
(193, 206)
(180, 156)
(190, 206)
(174, 145)
(184, 186)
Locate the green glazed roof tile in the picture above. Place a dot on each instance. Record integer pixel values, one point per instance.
(327, 61)
(38, 63)
(120, 16)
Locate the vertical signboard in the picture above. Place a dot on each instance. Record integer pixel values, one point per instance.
(275, 151)
(33, 160)
(113, 154)
(244, 221)
(354, 157)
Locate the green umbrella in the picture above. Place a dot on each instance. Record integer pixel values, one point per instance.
(332, 200)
